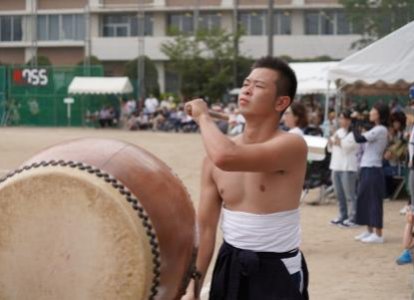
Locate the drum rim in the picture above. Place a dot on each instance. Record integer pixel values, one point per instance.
(124, 191)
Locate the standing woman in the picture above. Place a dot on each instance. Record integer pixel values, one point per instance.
(296, 118)
(344, 170)
(371, 187)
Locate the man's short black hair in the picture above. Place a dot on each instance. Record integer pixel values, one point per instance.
(287, 82)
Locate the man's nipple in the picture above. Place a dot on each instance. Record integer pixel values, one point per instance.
(262, 188)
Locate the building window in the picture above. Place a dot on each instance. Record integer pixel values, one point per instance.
(53, 28)
(326, 23)
(126, 25)
(312, 23)
(10, 28)
(282, 23)
(61, 27)
(180, 22)
(209, 21)
(255, 23)
(343, 24)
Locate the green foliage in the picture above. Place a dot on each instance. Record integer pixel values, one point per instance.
(204, 62)
(93, 60)
(374, 19)
(244, 65)
(150, 75)
(313, 59)
(39, 61)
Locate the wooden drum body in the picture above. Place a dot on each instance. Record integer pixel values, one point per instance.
(95, 219)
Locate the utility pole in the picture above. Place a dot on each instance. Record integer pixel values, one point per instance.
(34, 33)
(235, 40)
(141, 49)
(270, 28)
(196, 16)
(88, 44)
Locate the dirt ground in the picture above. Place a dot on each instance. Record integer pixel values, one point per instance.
(340, 268)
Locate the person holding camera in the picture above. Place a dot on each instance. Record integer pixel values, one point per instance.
(371, 191)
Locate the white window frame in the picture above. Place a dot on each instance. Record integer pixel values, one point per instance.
(61, 36)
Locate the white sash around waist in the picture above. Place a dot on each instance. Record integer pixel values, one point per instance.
(275, 232)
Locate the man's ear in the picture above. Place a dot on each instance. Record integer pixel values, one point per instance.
(282, 103)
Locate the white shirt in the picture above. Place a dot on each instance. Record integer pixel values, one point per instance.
(296, 130)
(377, 140)
(411, 145)
(344, 156)
(151, 105)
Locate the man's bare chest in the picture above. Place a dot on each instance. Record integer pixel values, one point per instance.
(238, 185)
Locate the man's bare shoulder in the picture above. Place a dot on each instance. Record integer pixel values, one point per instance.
(293, 145)
(291, 138)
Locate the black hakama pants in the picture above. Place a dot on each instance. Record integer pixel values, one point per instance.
(248, 275)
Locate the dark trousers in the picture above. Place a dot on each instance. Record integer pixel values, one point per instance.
(371, 192)
(248, 275)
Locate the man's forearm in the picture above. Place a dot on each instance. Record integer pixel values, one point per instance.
(215, 142)
(204, 256)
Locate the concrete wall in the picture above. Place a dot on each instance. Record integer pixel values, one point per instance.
(302, 46)
(61, 4)
(62, 56)
(12, 55)
(12, 5)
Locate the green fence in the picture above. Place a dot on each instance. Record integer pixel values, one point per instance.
(35, 96)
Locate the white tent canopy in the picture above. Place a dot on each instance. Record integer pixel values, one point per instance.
(386, 65)
(312, 78)
(100, 85)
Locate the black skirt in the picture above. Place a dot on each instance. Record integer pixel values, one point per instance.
(371, 192)
(248, 275)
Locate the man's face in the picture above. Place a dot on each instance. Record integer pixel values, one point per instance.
(258, 93)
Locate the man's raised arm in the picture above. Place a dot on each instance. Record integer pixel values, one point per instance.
(273, 155)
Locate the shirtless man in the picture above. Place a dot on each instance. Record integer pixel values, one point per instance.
(255, 181)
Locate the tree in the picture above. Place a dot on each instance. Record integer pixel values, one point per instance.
(93, 60)
(244, 65)
(39, 61)
(374, 19)
(150, 75)
(203, 63)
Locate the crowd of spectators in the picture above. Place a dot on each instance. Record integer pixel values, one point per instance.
(166, 115)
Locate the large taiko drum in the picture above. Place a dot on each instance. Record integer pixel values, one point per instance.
(95, 219)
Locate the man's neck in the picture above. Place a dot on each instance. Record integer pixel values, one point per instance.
(259, 130)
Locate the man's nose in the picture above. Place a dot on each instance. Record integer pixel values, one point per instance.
(247, 90)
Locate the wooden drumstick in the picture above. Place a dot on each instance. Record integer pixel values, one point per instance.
(218, 115)
(212, 113)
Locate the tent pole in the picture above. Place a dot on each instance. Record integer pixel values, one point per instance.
(325, 117)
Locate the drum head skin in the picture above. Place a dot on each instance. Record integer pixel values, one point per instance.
(68, 235)
(95, 219)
